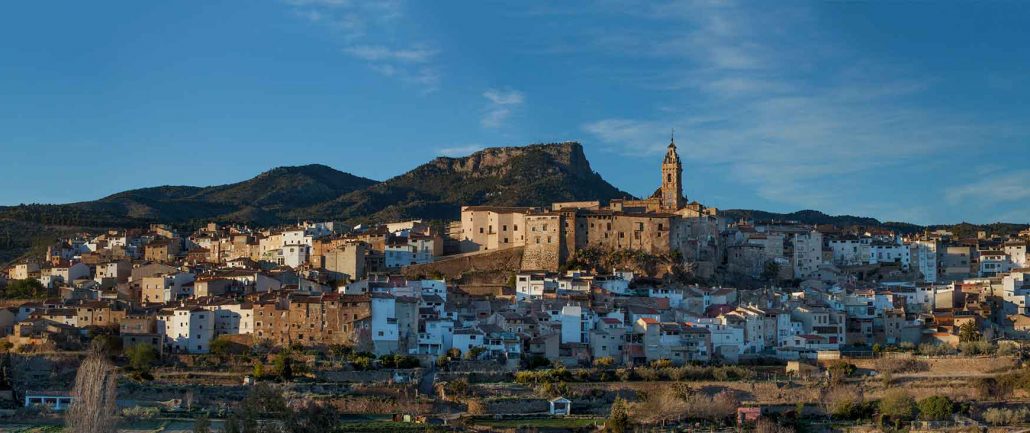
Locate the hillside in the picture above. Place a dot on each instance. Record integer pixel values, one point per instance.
(534, 175)
(816, 217)
(513, 176)
(262, 199)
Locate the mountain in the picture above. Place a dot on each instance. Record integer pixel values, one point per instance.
(807, 216)
(534, 175)
(962, 230)
(511, 176)
(262, 199)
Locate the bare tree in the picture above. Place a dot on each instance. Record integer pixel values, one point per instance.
(93, 405)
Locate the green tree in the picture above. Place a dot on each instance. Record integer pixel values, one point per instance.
(259, 369)
(936, 408)
(25, 289)
(141, 357)
(339, 352)
(618, 418)
(897, 405)
(968, 332)
(282, 365)
(838, 371)
(221, 346)
(474, 352)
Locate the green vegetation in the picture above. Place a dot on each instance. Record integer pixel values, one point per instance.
(550, 423)
(141, 359)
(398, 361)
(1007, 417)
(840, 370)
(650, 374)
(618, 418)
(897, 406)
(936, 408)
(968, 332)
(25, 289)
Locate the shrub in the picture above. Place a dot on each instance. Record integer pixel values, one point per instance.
(140, 412)
(362, 362)
(897, 405)
(604, 362)
(455, 389)
(406, 361)
(475, 406)
(661, 363)
(766, 425)
(842, 402)
(648, 374)
(931, 349)
(1007, 349)
(552, 390)
(141, 357)
(1006, 417)
(978, 347)
(839, 370)
(474, 353)
(618, 418)
(624, 374)
(536, 361)
(936, 408)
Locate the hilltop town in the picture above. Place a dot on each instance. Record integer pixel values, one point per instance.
(524, 312)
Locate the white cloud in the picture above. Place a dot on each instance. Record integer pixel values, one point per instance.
(459, 150)
(993, 188)
(379, 53)
(798, 124)
(500, 105)
(363, 27)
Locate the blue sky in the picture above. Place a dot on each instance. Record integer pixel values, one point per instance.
(914, 111)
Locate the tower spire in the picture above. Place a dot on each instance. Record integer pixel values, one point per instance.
(672, 136)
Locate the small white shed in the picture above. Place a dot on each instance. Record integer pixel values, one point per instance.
(561, 406)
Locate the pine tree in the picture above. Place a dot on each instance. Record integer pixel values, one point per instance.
(618, 419)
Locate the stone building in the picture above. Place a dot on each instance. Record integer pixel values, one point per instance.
(323, 320)
(661, 224)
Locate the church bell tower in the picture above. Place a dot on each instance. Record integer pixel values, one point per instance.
(672, 179)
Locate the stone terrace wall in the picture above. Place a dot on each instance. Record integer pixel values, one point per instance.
(500, 263)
